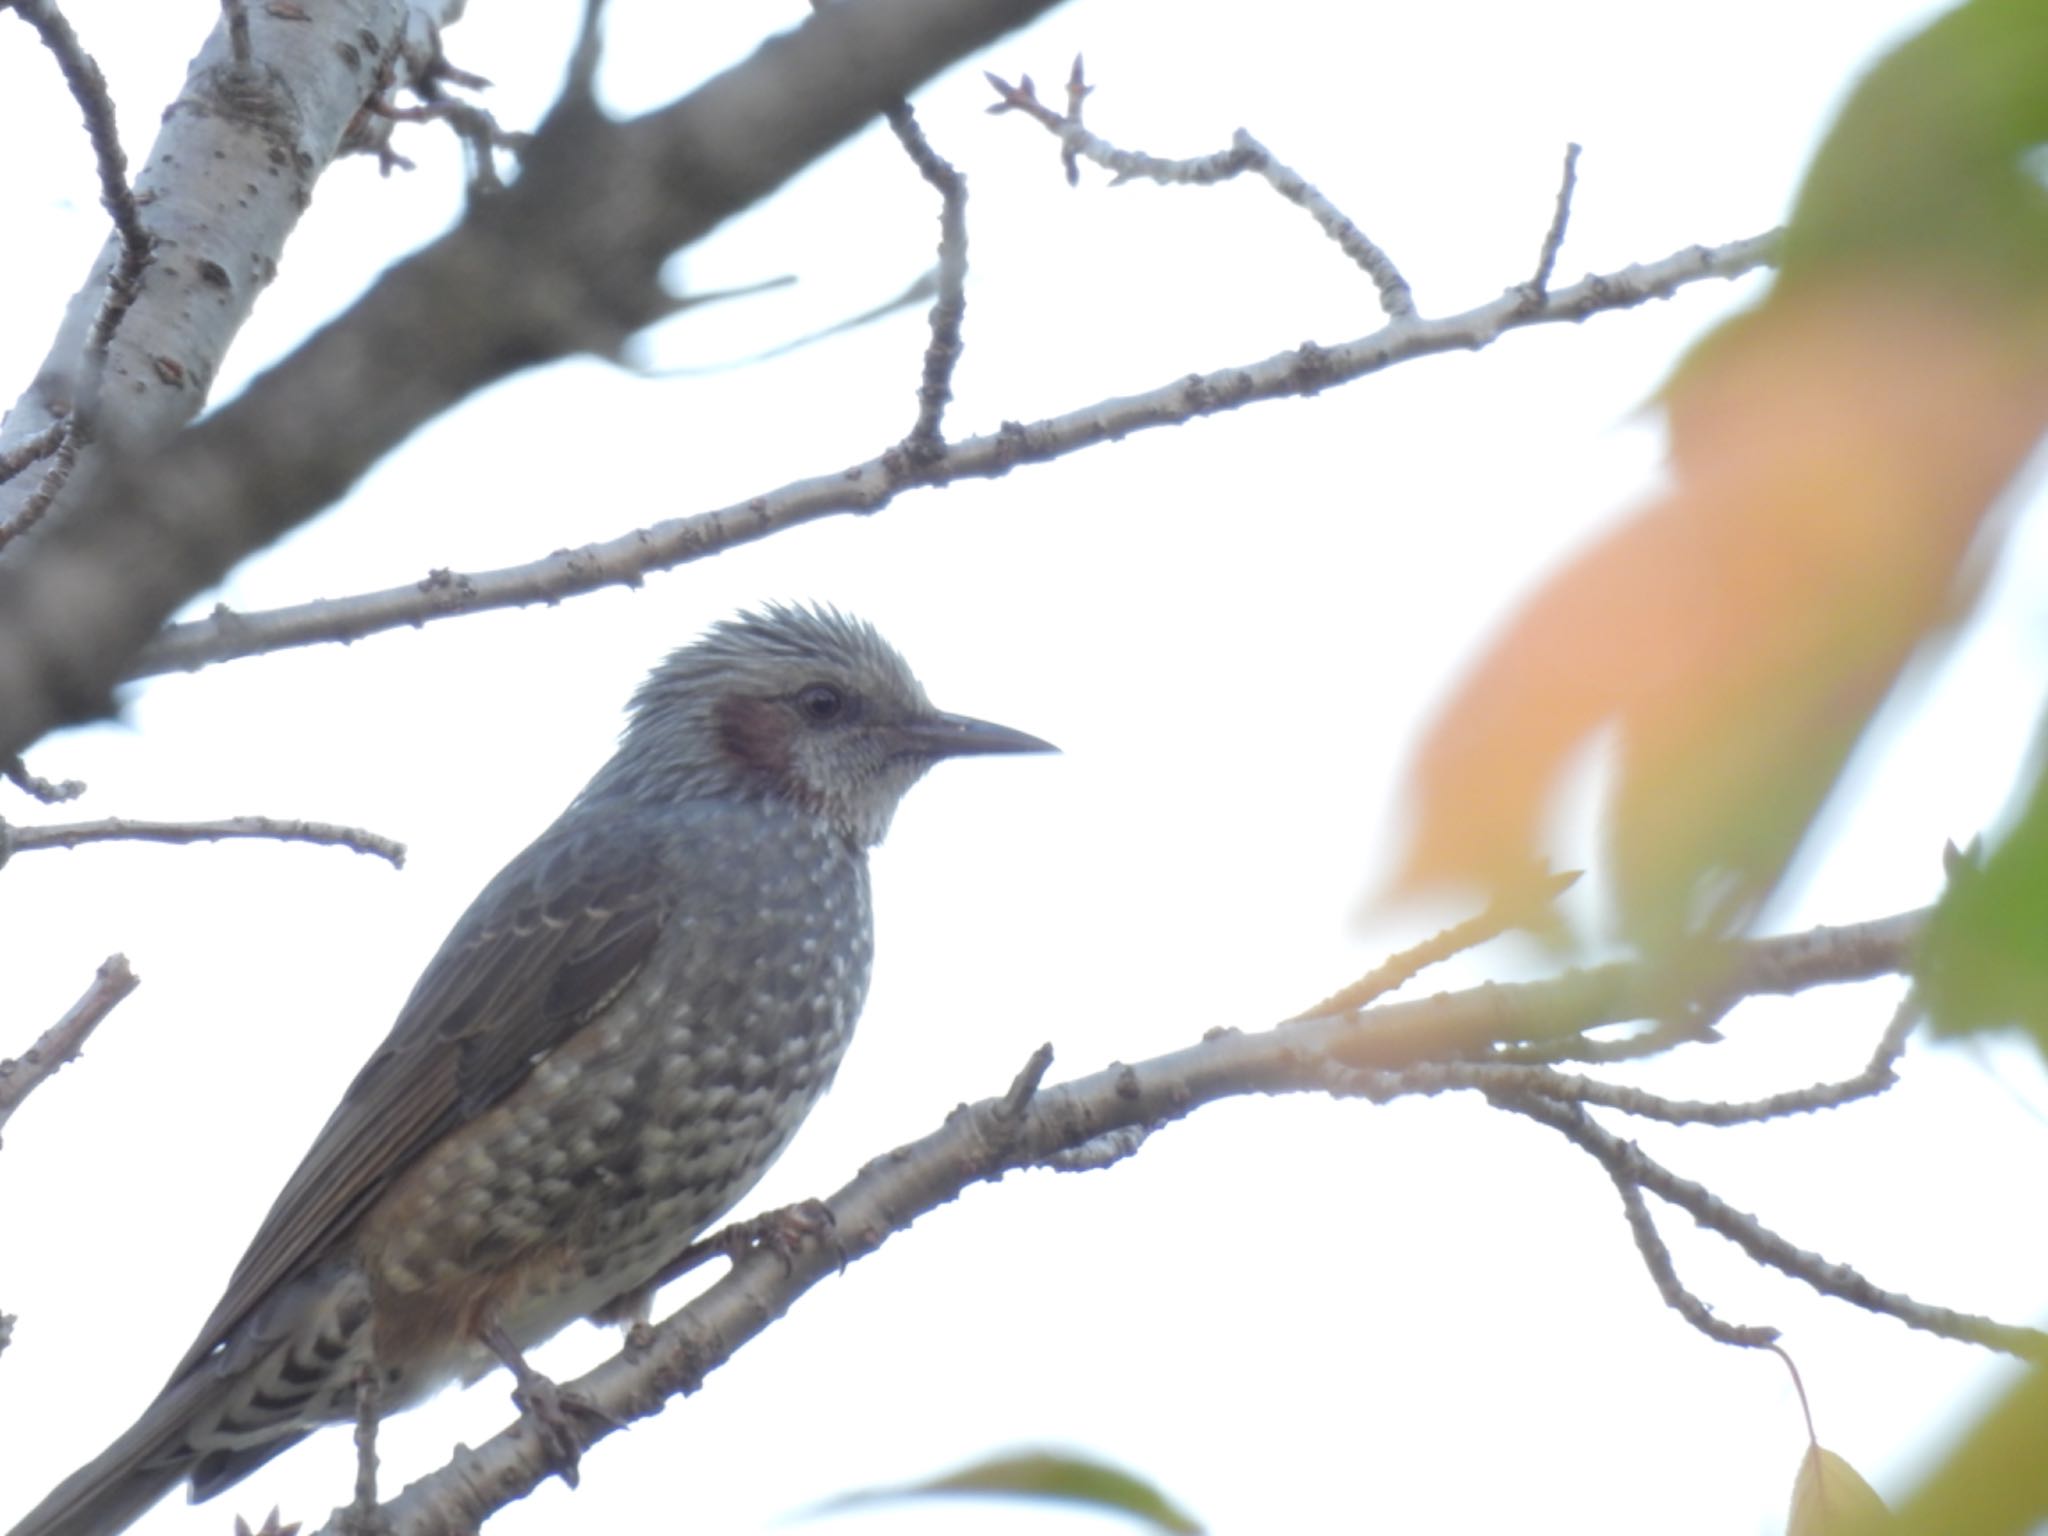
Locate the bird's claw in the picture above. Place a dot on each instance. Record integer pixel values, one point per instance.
(549, 1411)
(783, 1232)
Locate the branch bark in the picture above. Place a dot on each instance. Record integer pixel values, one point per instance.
(74, 834)
(1030, 1127)
(628, 558)
(566, 260)
(223, 187)
(63, 1040)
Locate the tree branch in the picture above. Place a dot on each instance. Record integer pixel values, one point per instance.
(74, 834)
(63, 1040)
(1031, 1126)
(266, 133)
(1628, 1165)
(1560, 218)
(566, 260)
(628, 558)
(1246, 156)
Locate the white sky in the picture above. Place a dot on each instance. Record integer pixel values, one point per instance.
(1294, 1315)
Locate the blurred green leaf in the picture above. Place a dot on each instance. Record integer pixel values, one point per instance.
(1057, 1476)
(1927, 166)
(1983, 963)
(1996, 1482)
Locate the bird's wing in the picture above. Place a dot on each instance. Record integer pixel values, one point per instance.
(546, 945)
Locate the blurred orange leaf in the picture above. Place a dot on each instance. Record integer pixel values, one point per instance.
(1835, 454)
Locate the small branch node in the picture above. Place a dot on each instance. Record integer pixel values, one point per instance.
(1024, 1088)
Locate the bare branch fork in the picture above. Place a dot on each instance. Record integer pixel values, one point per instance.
(924, 459)
(247, 475)
(1399, 1047)
(566, 260)
(1246, 156)
(58, 441)
(629, 558)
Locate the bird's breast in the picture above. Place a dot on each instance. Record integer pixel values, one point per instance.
(646, 1124)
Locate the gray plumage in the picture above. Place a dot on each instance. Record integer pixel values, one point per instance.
(617, 1039)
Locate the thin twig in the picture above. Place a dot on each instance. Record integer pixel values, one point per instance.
(926, 441)
(39, 445)
(1553, 238)
(1657, 1259)
(1494, 1078)
(1246, 154)
(1514, 1077)
(1625, 1161)
(47, 791)
(1694, 1027)
(923, 287)
(478, 130)
(89, 90)
(122, 829)
(868, 486)
(1078, 92)
(1398, 970)
(61, 462)
(63, 1040)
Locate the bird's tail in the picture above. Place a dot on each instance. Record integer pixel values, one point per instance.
(112, 1490)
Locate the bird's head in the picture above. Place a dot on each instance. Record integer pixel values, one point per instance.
(799, 703)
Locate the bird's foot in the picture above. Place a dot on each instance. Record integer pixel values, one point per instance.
(783, 1233)
(549, 1410)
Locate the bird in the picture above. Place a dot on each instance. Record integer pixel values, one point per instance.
(615, 1041)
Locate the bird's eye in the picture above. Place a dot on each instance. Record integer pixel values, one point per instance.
(821, 703)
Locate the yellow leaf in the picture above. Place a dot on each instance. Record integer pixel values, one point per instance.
(1829, 1498)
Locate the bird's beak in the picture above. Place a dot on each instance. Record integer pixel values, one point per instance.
(962, 736)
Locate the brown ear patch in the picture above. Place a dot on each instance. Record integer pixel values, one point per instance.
(756, 734)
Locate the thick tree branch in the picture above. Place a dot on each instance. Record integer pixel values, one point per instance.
(566, 260)
(866, 487)
(264, 131)
(1030, 1126)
